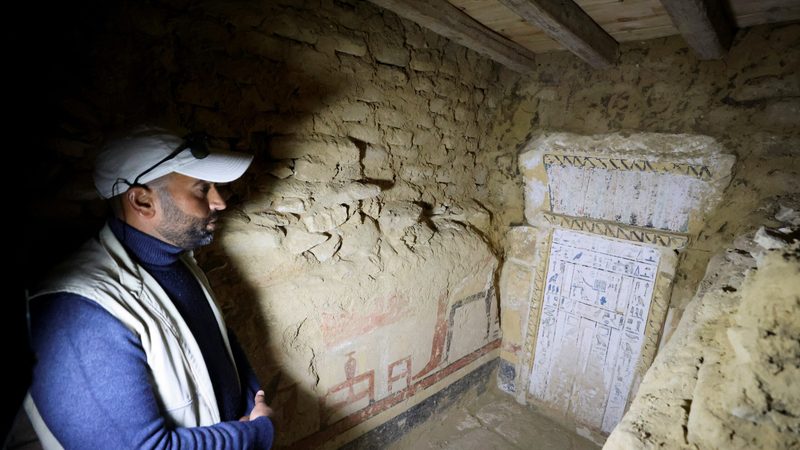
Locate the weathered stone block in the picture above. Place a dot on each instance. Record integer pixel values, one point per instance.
(397, 136)
(376, 163)
(367, 133)
(392, 75)
(422, 83)
(281, 170)
(313, 171)
(289, 27)
(297, 240)
(391, 117)
(354, 112)
(521, 244)
(393, 55)
(426, 138)
(424, 61)
(369, 93)
(324, 219)
(515, 285)
(440, 106)
(327, 249)
(291, 147)
(248, 240)
(359, 236)
(346, 194)
(351, 45)
(398, 216)
(289, 205)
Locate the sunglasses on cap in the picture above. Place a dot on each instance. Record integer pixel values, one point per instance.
(196, 142)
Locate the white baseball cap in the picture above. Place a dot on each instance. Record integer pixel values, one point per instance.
(148, 153)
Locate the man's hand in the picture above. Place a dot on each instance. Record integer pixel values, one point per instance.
(261, 409)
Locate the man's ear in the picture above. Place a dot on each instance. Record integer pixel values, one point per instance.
(142, 200)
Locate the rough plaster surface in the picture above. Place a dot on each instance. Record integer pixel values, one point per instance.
(727, 378)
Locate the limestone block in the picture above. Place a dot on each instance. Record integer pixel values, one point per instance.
(480, 174)
(376, 163)
(447, 88)
(424, 61)
(289, 205)
(351, 45)
(447, 125)
(444, 175)
(449, 67)
(464, 115)
(270, 219)
(416, 173)
(422, 83)
(398, 216)
(327, 249)
(289, 187)
(359, 236)
(392, 75)
(370, 134)
(425, 138)
(298, 240)
(348, 172)
(313, 171)
(390, 54)
(391, 117)
(354, 112)
(346, 194)
(397, 136)
(324, 219)
(515, 285)
(248, 240)
(287, 26)
(521, 244)
(292, 147)
(478, 216)
(424, 120)
(440, 106)
(369, 93)
(281, 170)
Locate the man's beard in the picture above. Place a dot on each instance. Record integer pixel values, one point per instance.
(181, 229)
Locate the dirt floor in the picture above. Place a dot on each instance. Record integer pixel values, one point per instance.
(491, 421)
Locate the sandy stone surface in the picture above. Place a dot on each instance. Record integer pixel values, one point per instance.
(728, 378)
(491, 421)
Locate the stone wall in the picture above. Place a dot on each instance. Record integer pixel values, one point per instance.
(747, 103)
(354, 264)
(727, 377)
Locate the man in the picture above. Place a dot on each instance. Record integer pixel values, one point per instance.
(131, 350)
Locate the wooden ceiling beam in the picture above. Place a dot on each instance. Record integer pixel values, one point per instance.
(443, 18)
(704, 25)
(569, 25)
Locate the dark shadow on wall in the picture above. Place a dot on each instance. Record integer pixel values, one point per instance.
(86, 70)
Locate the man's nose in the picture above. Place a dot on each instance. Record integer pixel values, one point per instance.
(215, 200)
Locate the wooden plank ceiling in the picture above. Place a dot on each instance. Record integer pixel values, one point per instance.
(591, 29)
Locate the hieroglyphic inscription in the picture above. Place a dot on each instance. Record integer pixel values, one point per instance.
(595, 307)
(619, 231)
(593, 162)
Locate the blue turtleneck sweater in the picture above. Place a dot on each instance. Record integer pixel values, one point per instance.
(91, 381)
